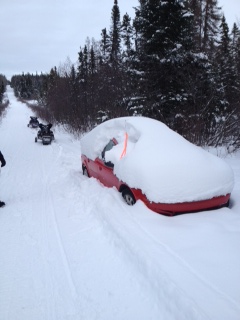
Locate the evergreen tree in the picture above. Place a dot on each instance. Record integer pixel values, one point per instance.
(92, 62)
(3, 83)
(196, 8)
(23, 87)
(164, 33)
(29, 86)
(85, 62)
(224, 62)
(115, 33)
(224, 43)
(80, 69)
(2, 90)
(127, 33)
(42, 89)
(73, 88)
(235, 68)
(235, 49)
(207, 17)
(53, 93)
(105, 45)
(211, 19)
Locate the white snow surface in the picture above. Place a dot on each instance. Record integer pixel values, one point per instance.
(164, 165)
(71, 249)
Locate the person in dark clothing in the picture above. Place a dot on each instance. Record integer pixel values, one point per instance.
(2, 163)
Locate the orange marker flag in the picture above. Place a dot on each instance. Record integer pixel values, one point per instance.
(125, 146)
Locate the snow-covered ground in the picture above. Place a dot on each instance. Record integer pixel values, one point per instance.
(71, 249)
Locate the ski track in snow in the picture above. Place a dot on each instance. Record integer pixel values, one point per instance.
(64, 245)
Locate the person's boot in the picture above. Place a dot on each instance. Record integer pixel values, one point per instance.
(2, 204)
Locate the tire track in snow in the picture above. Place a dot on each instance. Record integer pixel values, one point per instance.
(8, 283)
(16, 161)
(163, 284)
(38, 228)
(53, 244)
(185, 264)
(44, 237)
(116, 233)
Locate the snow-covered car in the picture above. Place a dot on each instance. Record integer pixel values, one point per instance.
(147, 161)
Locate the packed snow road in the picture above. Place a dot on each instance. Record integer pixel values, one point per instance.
(71, 249)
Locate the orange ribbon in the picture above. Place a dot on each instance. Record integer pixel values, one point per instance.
(125, 146)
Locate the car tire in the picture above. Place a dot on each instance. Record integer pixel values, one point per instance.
(128, 197)
(227, 205)
(85, 172)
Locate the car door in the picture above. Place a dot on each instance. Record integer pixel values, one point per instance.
(106, 175)
(92, 167)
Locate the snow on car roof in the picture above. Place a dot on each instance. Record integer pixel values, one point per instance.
(160, 162)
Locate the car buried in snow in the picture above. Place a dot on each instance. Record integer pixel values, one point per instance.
(145, 160)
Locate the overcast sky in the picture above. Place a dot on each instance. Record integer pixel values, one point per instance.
(36, 35)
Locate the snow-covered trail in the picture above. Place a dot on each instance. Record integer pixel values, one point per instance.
(50, 238)
(71, 249)
(39, 276)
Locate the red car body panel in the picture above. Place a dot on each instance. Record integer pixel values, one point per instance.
(99, 170)
(172, 209)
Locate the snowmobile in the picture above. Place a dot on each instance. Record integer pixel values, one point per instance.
(45, 134)
(33, 123)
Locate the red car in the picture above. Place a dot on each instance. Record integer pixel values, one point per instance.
(101, 168)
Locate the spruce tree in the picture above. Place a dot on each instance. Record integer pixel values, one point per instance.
(115, 33)
(92, 62)
(196, 9)
(224, 60)
(164, 37)
(211, 14)
(127, 34)
(2, 89)
(105, 46)
(235, 65)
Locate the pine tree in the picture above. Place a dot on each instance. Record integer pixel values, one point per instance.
(235, 48)
(29, 86)
(224, 60)
(235, 64)
(196, 8)
(2, 89)
(105, 46)
(207, 17)
(164, 33)
(127, 33)
(73, 88)
(115, 33)
(92, 62)
(23, 87)
(52, 89)
(3, 83)
(80, 68)
(211, 19)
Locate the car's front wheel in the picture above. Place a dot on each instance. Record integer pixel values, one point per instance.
(85, 172)
(128, 197)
